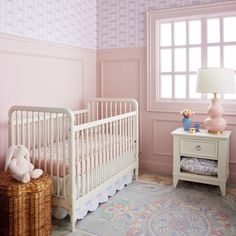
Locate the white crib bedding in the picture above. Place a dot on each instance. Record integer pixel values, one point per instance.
(52, 159)
(92, 204)
(57, 153)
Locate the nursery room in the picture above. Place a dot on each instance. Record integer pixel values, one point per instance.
(118, 117)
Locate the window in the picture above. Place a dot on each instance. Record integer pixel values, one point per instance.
(192, 38)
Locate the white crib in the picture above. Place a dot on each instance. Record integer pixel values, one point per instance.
(86, 152)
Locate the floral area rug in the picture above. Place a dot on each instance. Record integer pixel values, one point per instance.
(145, 209)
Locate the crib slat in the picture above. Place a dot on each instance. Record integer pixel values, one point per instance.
(114, 147)
(93, 111)
(105, 109)
(83, 162)
(64, 155)
(103, 154)
(28, 130)
(39, 141)
(87, 161)
(129, 138)
(33, 137)
(125, 141)
(51, 145)
(92, 157)
(78, 166)
(120, 140)
(44, 142)
(12, 129)
(110, 147)
(102, 111)
(132, 132)
(117, 144)
(97, 114)
(17, 128)
(57, 156)
(115, 108)
(111, 109)
(100, 155)
(96, 156)
(22, 139)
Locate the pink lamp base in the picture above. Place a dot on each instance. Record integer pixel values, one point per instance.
(215, 124)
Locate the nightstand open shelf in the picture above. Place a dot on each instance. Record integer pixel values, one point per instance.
(201, 145)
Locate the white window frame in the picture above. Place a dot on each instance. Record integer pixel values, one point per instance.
(175, 105)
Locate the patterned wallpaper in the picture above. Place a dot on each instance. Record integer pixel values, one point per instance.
(71, 22)
(122, 23)
(84, 23)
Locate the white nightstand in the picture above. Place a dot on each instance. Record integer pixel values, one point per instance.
(201, 145)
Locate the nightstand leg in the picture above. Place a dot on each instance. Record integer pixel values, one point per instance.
(223, 189)
(175, 181)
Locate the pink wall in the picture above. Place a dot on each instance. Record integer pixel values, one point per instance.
(122, 73)
(44, 74)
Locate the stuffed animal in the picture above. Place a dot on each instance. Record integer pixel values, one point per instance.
(18, 163)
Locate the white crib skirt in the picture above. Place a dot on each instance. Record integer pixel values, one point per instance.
(92, 205)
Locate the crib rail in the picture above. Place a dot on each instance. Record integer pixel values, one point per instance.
(100, 108)
(81, 116)
(46, 132)
(103, 144)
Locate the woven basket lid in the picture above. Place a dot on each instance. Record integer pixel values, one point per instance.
(12, 187)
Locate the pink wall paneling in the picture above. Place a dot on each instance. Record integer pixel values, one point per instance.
(42, 74)
(232, 152)
(162, 139)
(155, 127)
(122, 84)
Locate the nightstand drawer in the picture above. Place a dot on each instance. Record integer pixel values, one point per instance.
(198, 148)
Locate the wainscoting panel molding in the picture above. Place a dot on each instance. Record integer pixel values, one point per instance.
(43, 74)
(122, 73)
(162, 138)
(118, 75)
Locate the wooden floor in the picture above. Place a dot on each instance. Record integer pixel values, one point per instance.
(168, 181)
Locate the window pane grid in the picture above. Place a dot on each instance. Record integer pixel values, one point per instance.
(187, 54)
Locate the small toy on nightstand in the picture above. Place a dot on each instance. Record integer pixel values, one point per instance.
(197, 127)
(192, 130)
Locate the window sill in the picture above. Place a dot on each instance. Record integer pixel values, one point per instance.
(199, 107)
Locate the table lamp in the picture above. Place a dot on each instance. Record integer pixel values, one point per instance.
(215, 80)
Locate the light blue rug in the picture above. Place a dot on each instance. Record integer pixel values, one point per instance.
(143, 209)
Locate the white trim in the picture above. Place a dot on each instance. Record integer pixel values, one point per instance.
(152, 60)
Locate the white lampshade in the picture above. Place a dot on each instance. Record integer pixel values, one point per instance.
(215, 80)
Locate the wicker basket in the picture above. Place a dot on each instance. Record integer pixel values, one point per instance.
(25, 209)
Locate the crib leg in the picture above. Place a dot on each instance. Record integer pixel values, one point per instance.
(136, 173)
(73, 221)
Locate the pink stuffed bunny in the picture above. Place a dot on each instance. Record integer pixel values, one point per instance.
(18, 162)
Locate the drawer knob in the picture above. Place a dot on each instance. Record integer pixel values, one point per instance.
(198, 148)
